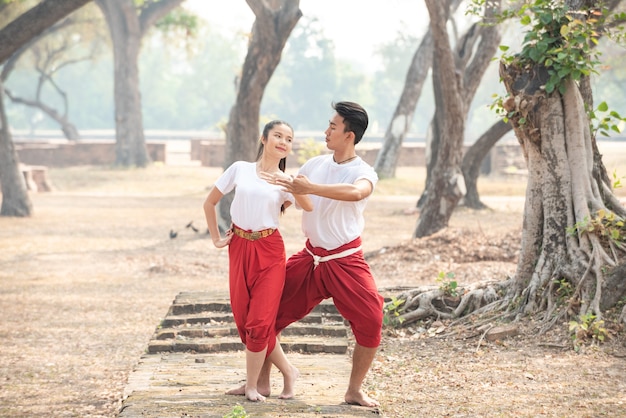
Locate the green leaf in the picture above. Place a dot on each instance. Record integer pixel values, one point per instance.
(603, 107)
(525, 20)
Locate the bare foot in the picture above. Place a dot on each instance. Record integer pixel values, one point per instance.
(254, 396)
(263, 385)
(289, 382)
(241, 390)
(360, 398)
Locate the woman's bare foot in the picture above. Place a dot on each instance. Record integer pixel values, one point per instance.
(241, 390)
(360, 398)
(254, 396)
(289, 384)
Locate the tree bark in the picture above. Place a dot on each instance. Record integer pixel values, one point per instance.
(473, 158)
(564, 189)
(13, 37)
(387, 158)
(127, 26)
(446, 187)
(15, 199)
(32, 23)
(271, 29)
(471, 62)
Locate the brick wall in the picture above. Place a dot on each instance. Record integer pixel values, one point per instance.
(210, 153)
(64, 154)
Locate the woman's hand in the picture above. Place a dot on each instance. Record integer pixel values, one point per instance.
(223, 242)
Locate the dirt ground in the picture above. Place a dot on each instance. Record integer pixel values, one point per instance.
(85, 281)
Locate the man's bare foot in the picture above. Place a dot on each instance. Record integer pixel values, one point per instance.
(289, 382)
(241, 390)
(360, 398)
(254, 396)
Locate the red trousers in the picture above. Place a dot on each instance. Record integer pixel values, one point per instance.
(348, 280)
(256, 280)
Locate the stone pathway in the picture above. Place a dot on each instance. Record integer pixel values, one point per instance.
(195, 355)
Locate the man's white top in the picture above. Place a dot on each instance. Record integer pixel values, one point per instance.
(333, 223)
(256, 205)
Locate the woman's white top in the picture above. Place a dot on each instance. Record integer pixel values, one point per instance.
(256, 205)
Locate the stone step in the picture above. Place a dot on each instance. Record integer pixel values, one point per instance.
(204, 331)
(221, 318)
(203, 323)
(191, 303)
(301, 344)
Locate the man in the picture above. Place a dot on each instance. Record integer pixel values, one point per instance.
(332, 263)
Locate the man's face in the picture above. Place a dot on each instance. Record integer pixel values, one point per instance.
(335, 133)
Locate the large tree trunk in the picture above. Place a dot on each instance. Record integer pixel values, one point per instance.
(564, 189)
(473, 158)
(387, 158)
(271, 29)
(13, 37)
(15, 200)
(446, 187)
(471, 62)
(127, 27)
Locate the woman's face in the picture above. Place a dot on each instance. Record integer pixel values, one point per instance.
(279, 141)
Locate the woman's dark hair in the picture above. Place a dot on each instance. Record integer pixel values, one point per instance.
(354, 118)
(282, 164)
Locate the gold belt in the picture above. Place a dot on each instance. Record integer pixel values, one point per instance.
(253, 235)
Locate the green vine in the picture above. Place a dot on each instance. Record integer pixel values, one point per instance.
(560, 40)
(604, 120)
(605, 224)
(447, 285)
(587, 328)
(391, 312)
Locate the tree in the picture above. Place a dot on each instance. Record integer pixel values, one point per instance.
(573, 256)
(456, 76)
(128, 24)
(387, 158)
(15, 35)
(30, 24)
(306, 80)
(473, 159)
(574, 226)
(274, 22)
(52, 52)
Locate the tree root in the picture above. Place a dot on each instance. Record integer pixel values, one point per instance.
(430, 301)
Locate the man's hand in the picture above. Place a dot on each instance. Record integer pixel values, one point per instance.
(296, 185)
(273, 178)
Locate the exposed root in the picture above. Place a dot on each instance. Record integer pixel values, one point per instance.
(430, 301)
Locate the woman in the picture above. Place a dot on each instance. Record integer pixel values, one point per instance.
(257, 252)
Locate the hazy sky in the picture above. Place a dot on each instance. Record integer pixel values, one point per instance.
(355, 26)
